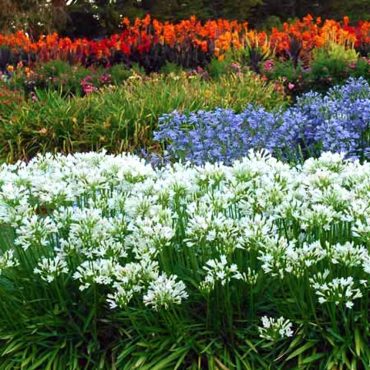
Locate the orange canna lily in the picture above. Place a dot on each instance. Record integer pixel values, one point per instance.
(217, 35)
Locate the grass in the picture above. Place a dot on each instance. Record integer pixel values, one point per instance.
(120, 118)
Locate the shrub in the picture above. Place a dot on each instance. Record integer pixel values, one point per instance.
(325, 70)
(332, 63)
(107, 263)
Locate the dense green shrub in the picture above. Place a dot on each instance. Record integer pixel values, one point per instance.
(324, 71)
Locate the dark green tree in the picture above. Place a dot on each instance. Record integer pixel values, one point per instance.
(32, 16)
(101, 17)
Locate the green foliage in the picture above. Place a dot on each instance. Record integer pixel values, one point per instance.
(330, 66)
(54, 68)
(120, 73)
(333, 64)
(286, 70)
(337, 52)
(9, 100)
(217, 68)
(324, 66)
(360, 68)
(121, 118)
(171, 68)
(67, 79)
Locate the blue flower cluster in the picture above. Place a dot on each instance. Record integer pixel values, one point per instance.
(338, 121)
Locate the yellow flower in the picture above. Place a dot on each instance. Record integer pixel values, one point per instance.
(43, 131)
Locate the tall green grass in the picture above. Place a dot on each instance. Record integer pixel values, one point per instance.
(120, 118)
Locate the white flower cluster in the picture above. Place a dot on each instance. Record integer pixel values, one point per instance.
(131, 279)
(141, 233)
(337, 290)
(219, 271)
(7, 260)
(165, 291)
(274, 329)
(50, 268)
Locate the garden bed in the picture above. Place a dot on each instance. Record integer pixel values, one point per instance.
(186, 196)
(109, 263)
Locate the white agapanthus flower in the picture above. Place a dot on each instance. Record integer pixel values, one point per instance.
(99, 271)
(347, 254)
(132, 279)
(361, 229)
(164, 292)
(275, 329)
(337, 290)
(116, 221)
(50, 268)
(8, 260)
(301, 257)
(219, 271)
(35, 231)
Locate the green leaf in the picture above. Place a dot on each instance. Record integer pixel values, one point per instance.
(37, 364)
(181, 360)
(12, 347)
(251, 345)
(167, 361)
(358, 342)
(312, 358)
(300, 350)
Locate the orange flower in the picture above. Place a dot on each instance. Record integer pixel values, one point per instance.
(219, 35)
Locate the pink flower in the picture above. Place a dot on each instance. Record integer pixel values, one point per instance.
(88, 89)
(105, 78)
(269, 65)
(34, 97)
(87, 85)
(291, 86)
(235, 66)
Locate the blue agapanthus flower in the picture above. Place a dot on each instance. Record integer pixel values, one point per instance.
(338, 121)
